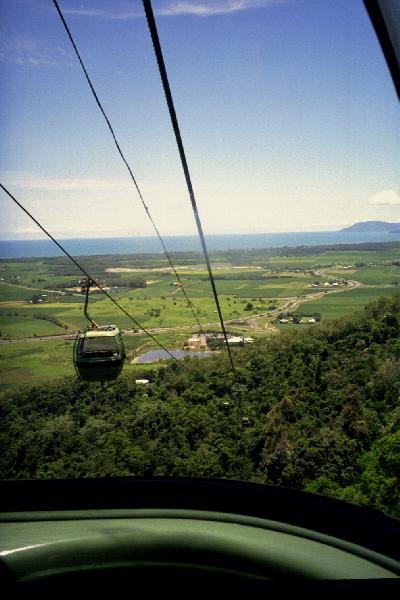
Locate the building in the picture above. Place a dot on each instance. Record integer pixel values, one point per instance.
(196, 342)
(236, 341)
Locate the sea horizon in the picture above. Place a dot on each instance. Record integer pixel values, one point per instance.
(44, 248)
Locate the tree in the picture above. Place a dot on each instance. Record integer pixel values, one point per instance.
(378, 485)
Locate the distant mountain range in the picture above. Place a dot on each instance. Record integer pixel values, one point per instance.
(374, 226)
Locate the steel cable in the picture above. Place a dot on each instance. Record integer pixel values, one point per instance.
(164, 78)
(146, 208)
(85, 272)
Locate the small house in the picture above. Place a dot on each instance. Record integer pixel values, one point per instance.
(196, 341)
(236, 341)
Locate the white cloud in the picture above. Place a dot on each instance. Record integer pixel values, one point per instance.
(25, 50)
(103, 13)
(386, 197)
(25, 230)
(55, 184)
(172, 8)
(211, 7)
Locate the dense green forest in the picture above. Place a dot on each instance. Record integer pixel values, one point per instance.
(320, 412)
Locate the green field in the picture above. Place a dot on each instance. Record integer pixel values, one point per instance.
(29, 362)
(174, 310)
(264, 286)
(379, 275)
(333, 306)
(19, 327)
(331, 258)
(10, 291)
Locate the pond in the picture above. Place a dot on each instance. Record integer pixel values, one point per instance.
(154, 355)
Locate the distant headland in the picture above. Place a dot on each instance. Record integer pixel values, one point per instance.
(373, 226)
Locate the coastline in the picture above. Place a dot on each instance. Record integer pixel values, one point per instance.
(17, 249)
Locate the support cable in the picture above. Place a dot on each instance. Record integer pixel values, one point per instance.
(146, 208)
(85, 272)
(164, 78)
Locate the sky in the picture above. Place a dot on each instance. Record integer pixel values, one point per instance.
(288, 115)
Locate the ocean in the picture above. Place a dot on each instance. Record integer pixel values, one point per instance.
(143, 245)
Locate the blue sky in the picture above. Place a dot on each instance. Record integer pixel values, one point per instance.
(288, 115)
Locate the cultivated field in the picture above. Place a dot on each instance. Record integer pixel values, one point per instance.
(41, 307)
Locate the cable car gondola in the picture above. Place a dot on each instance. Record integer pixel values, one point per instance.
(99, 351)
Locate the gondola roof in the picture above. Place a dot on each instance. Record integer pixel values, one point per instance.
(100, 332)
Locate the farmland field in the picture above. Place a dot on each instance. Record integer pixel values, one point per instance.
(40, 298)
(10, 291)
(20, 327)
(27, 362)
(333, 306)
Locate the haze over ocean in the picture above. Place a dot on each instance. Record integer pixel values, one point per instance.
(139, 245)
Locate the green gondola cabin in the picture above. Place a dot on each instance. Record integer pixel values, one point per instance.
(99, 353)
